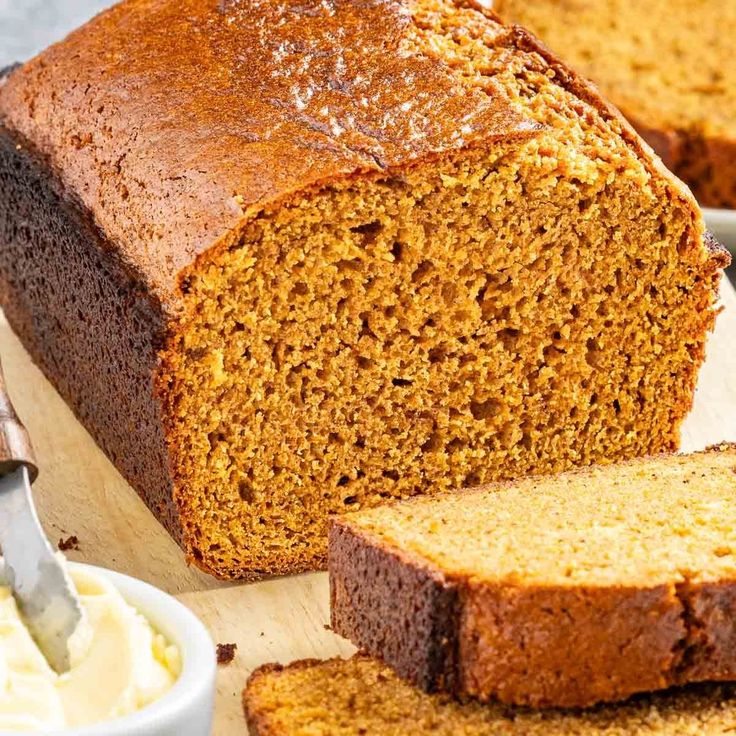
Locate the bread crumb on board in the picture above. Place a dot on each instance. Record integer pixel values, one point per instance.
(226, 653)
(70, 543)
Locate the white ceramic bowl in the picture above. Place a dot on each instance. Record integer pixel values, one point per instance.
(186, 710)
(722, 223)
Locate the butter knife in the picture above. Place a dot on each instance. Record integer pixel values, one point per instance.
(45, 595)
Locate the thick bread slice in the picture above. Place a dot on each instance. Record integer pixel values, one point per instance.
(360, 696)
(564, 590)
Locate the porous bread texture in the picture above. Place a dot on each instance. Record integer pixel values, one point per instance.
(361, 696)
(561, 591)
(667, 64)
(452, 323)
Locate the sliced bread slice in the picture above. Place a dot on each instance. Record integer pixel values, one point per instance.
(360, 696)
(562, 590)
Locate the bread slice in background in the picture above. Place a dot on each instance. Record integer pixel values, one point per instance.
(666, 64)
(361, 697)
(553, 591)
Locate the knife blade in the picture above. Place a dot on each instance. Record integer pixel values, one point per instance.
(43, 589)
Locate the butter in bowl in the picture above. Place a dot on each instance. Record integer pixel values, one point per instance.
(142, 664)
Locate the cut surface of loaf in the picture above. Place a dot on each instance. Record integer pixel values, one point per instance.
(286, 259)
(360, 696)
(554, 591)
(667, 64)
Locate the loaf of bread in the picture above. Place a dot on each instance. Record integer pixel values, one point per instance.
(289, 258)
(360, 697)
(556, 591)
(667, 64)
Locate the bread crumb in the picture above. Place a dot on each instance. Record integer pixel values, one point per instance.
(226, 653)
(71, 542)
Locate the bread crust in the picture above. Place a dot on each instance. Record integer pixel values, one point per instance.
(543, 646)
(86, 319)
(186, 150)
(393, 591)
(566, 647)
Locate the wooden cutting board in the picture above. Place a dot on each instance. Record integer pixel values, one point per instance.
(79, 492)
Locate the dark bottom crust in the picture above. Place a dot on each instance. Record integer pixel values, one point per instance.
(315, 563)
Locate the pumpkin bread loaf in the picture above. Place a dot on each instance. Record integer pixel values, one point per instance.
(667, 65)
(286, 258)
(361, 697)
(556, 591)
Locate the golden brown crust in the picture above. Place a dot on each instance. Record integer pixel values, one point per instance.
(239, 109)
(566, 640)
(527, 644)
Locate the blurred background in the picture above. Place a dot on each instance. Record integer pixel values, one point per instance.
(28, 26)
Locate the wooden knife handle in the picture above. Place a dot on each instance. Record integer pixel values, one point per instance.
(15, 444)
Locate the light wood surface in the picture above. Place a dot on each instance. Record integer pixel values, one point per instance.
(79, 492)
